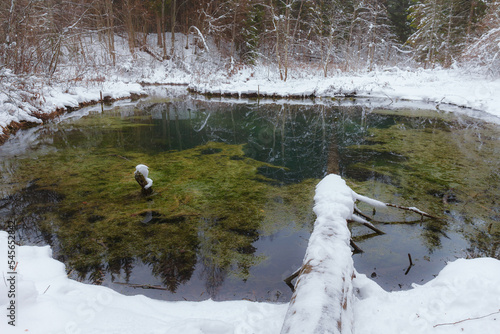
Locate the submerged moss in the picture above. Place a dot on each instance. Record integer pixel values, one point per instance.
(452, 174)
(209, 202)
(212, 202)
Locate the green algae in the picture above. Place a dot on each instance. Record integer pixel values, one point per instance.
(448, 168)
(209, 202)
(213, 201)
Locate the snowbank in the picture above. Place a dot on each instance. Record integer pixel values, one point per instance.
(29, 99)
(48, 302)
(18, 105)
(56, 98)
(463, 298)
(436, 87)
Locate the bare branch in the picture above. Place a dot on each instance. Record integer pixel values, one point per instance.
(468, 319)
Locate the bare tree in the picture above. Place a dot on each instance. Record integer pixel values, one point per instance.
(369, 34)
(285, 17)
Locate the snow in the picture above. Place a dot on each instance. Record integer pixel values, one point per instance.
(368, 200)
(15, 108)
(325, 284)
(49, 302)
(417, 210)
(438, 87)
(144, 170)
(463, 298)
(470, 93)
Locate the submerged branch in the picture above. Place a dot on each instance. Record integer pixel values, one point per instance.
(366, 223)
(359, 213)
(357, 249)
(411, 264)
(402, 222)
(413, 209)
(290, 278)
(143, 286)
(363, 237)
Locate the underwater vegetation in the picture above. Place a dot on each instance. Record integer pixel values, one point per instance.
(228, 176)
(449, 166)
(209, 204)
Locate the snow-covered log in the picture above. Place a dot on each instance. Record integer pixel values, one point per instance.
(323, 296)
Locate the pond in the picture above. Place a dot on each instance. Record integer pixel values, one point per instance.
(231, 210)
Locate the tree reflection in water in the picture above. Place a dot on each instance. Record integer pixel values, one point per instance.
(227, 175)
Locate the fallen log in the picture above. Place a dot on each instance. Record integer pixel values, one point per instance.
(323, 297)
(323, 293)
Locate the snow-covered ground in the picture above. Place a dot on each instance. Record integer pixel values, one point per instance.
(435, 87)
(17, 105)
(47, 301)
(463, 298)
(442, 88)
(28, 98)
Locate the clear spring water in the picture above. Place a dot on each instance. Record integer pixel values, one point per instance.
(232, 208)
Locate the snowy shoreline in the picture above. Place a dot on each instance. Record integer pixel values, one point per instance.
(433, 87)
(453, 89)
(50, 101)
(38, 297)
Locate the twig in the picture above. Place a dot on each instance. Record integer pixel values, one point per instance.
(420, 212)
(363, 237)
(290, 278)
(366, 223)
(411, 264)
(358, 212)
(356, 247)
(403, 222)
(457, 322)
(143, 286)
(419, 221)
(46, 290)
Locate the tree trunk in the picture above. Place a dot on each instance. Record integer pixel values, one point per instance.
(110, 30)
(276, 25)
(287, 37)
(164, 38)
(129, 24)
(173, 19)
(143, 183)
(233, 30)
(159, 40)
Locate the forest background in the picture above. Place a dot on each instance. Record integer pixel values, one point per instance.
(37, 37)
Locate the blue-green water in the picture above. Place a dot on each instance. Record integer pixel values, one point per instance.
(234, 182)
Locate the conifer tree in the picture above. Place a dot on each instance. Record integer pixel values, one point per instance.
(428, 19)
(398, 11)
